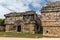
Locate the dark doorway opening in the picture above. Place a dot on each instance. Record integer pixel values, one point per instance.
(46, 31)
(37, 28)
(19, 29)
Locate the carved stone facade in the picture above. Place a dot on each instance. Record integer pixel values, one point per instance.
(22, 22)
(50, 19)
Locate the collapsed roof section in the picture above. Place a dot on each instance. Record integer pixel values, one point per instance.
(51, 7)
(20, 13)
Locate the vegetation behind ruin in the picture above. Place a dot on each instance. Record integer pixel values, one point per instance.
(2, 22)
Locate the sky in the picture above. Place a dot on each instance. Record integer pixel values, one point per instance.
(7, 6)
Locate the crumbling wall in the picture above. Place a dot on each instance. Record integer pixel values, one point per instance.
(51, 31)
(10, 28)
(28, 28)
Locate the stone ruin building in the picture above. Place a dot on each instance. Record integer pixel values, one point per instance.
(50, 19)
(48, 22)
(22, 22)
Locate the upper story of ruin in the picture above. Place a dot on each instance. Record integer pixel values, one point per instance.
(51, 7)
(17, 17)
(51, 12)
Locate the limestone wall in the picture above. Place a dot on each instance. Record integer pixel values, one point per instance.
(10, 28)
(52, 16)
(28, 27)
(51, 31)
(50, 23)
(50, 19)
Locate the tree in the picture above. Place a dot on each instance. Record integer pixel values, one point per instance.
(2, 22)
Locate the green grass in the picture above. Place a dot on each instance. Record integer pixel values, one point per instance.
(23, 35)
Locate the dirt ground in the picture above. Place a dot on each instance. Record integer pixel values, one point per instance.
(11, 38)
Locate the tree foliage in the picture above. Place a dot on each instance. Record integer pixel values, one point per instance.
(2, 22)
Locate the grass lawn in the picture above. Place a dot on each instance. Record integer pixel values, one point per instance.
(23, 35)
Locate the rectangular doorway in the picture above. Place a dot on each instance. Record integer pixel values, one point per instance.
(19, 28)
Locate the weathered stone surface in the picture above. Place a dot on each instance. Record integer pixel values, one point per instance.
(51, 19)
(52, 16)
(9, 28)
(28, 27)
(51, 31)
(22, 22)
(51, 7)
(50, 23)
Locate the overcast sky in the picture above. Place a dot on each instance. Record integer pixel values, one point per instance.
(7, 6)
